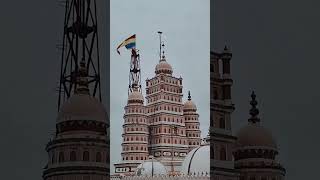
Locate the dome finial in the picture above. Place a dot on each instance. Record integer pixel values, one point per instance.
(163, 57)
(161, 46)
(82, 79)
(254, 111)
(189, 96)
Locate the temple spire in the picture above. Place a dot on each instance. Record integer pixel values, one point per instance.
(189, 96)
(254, 111)
(163, 56)
(160, 33)
(161, 52)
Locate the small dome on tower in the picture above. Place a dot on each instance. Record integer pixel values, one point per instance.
(197, 161)
(151, 167)
(253, 134)
(163, 67)
(189, 105)
(135, 96)
(81, 105)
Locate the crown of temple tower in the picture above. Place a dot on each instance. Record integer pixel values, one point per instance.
(254, 134)
(256, 148)
(189, 104)
(135, 96)
(163, 66)
(81, 105)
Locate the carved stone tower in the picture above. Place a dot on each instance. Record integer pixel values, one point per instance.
(192, 123)
(220, 116)
(79, 149)
(168, 141)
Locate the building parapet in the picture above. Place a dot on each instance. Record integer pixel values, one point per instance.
(167, 177)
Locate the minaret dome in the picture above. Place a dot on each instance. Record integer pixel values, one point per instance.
(189, 104)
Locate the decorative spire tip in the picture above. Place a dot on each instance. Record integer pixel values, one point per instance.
(254, 111)
(189, 96)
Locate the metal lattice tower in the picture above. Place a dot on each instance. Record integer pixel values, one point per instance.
(80, 43)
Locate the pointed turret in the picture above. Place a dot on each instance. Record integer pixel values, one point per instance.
(192, 123)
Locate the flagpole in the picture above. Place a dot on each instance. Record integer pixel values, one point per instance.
(160, 33)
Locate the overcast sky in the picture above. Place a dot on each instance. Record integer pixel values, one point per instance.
(275, 46)
(186, 33)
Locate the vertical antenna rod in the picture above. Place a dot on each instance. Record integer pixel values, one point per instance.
(160, 33)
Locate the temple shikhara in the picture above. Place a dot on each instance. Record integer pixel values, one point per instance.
(161, 134)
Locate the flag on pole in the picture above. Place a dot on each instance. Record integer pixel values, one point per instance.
(129, 43)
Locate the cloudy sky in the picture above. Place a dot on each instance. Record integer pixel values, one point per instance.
(186, 33)
(275, 46)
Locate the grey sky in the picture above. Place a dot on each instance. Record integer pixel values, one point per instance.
(275, 52)
(185, 24)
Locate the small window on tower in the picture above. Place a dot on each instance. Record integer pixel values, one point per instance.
(61, 157)
(223, 154)
(98, 157)
(222, 123)
(73, 156)
(53, 158)
(86, 156)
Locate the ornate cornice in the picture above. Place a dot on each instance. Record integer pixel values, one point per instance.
(80, 125)
(57, 142)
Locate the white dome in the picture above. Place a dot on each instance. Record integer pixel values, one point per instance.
(82, 107)
(151, 167)
(197, 161)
